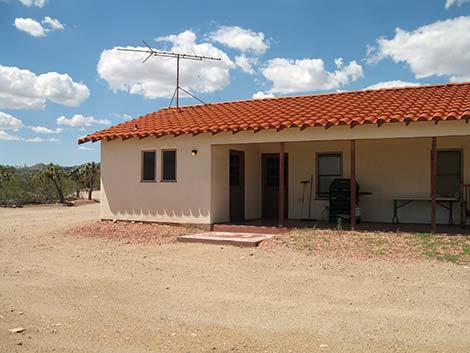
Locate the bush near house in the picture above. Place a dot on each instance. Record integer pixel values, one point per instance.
(42, 183)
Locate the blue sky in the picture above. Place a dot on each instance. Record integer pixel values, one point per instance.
(61, 79)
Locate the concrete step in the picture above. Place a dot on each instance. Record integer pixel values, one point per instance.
(248, 228)
(226, 238)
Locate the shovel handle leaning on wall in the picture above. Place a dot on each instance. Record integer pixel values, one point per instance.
(310, 197)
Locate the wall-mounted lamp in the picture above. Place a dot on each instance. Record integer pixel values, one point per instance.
(194, 152)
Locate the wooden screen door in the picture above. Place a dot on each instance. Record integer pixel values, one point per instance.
(270, 186)
(237, 186)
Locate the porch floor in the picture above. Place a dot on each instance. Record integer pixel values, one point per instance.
(228, 238)
(268, 226)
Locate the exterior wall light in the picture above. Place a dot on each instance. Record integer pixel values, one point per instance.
(194, 152)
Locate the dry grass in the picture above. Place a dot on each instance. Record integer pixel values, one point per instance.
(393, 246)
(131, 233)
(389, 246)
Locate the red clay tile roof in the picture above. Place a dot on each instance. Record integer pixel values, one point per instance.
(408, 104)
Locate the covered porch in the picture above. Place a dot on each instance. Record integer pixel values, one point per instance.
(405, 183)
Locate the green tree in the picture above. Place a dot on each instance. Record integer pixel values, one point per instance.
(78, 177)
(7, 173)
(91, 171)
(56, 174)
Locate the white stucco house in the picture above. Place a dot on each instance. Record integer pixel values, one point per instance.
(407, 148)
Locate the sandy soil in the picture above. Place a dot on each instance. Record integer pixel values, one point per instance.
(86, 294)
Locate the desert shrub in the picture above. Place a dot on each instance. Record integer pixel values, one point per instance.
(31, 186)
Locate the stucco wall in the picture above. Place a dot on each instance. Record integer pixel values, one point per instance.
(302, 160)
(387, 167)
(125, 197)
(220, 181)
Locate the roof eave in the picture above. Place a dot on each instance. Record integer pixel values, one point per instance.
(85, 140)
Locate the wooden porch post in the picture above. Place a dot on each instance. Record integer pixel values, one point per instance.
(353, 184)
(281, 184)
(433, 183)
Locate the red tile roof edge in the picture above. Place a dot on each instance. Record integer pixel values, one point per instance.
(260, 114)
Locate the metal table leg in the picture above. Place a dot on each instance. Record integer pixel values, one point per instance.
(451, 213)
(395, 212)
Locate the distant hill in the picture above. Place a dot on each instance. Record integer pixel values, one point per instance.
(36, 167)
(41, 166)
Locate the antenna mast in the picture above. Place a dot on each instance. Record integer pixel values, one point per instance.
(152, 52)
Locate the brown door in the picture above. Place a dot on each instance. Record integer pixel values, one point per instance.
(237, 186)
(270, 188)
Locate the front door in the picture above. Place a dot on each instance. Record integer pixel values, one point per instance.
(270, 186)
(237, 186)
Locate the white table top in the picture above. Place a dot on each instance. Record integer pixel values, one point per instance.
(449, 199)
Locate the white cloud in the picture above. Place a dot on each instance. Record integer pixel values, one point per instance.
(124, 71)
(246, 63)
(437, 49)
(23, 89)
(45, 130)
(7, 137)
(450, 3)
(79, 120)
(37, 3)
(41, 140)
(239, 38)
(261, 94)
(52, 23)
(86, 148)
(8, 121)
(289, 76)
(30, 26)
(123, 116)
(37, 29)
(392, 84)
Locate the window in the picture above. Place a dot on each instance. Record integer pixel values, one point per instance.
(234, 170)
(329, 167)
(148, 165)
(449, 173)
(169, 165)
(271, 169)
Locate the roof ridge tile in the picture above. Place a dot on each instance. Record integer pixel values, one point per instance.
(448, 101)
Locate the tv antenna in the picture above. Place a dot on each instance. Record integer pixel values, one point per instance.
(166, 54)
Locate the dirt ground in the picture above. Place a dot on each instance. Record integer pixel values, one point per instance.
(89, 294)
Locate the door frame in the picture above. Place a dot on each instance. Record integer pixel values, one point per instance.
(242, 185)
(263, 183)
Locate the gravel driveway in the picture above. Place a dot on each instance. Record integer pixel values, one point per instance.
(85, 294)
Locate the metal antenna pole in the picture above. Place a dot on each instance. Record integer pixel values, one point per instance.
(177, 82)
(152, 52)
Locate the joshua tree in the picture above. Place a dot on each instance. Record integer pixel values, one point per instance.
(78, 176)
(55, 173)
(91, 171)
(6, 174)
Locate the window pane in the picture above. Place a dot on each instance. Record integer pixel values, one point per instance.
(448, 163)
(272, 180)
(324, 184)
(234, 170)
(329, 168)
(148, 166)
(272, 170)
(448, 186)
(169, 166)
(329, 164)
(448, 173)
